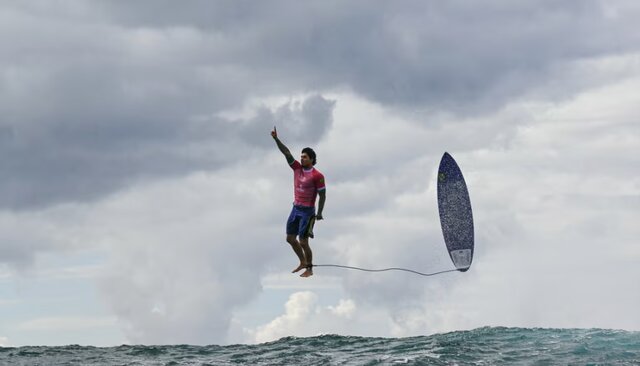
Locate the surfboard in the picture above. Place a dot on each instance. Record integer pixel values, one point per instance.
(456, 218)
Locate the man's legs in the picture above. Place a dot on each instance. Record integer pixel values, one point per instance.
(297, 248)
(308, 255)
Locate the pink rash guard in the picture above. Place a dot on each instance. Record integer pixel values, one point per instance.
(306, 185)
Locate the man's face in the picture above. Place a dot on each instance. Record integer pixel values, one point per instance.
(305, 161)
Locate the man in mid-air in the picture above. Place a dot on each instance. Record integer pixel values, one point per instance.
(308, 183)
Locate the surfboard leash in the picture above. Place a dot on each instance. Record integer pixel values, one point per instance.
(385, 269)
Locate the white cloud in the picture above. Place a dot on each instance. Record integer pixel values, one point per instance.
(4, 342)
(304, 317)
(298, 311)
(345, 309)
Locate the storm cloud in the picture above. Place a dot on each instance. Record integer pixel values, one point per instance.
(94, 98)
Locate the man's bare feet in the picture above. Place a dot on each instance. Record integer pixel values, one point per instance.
(300, 267)
(307, 273)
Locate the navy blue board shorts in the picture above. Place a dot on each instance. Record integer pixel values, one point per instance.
(298, 220)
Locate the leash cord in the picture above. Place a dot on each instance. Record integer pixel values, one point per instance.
(385, 269)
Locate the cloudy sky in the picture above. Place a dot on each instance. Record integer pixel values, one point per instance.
(142, 199)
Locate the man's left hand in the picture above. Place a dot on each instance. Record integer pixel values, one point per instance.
(319, 217)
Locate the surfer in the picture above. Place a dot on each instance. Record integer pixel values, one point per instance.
(308, 183)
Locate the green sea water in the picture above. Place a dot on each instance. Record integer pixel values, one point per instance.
(483, 346)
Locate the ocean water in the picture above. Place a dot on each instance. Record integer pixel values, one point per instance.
(483, 346)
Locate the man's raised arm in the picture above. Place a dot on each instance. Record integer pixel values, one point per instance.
(281, 146)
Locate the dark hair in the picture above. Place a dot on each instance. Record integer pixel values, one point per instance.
(312, 154)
